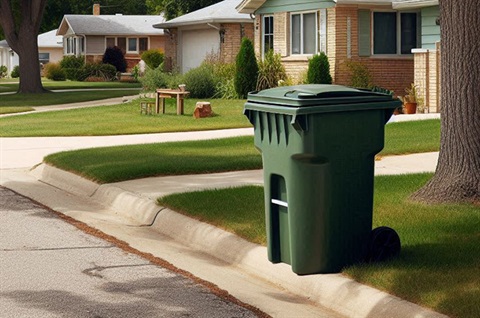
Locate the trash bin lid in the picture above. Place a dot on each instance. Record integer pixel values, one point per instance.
(316, 95)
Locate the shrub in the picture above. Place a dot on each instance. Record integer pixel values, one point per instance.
(359, 75)
(246, 70)
(153, 58)
(115, 57)
(3, 71)
(15, 72)
(223, 76)
(107, 72)
(54, 72)
(319, 70)
(270, 71)
(72, 66)
(200, 81)
(153, 79)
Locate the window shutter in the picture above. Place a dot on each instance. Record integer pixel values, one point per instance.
(364, 41)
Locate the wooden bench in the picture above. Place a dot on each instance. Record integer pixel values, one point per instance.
(146, 108)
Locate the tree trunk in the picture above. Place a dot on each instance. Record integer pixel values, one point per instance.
(22, 38)
(457, 178)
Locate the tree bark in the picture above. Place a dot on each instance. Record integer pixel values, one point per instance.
(22, 38)
(457, 177)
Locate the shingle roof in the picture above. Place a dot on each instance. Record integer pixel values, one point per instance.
(111, 24)
(221, 12)
(48, 39)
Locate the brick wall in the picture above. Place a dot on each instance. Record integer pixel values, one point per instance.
(427, 78)
(393, 73)
(234, 32)
(170, 60)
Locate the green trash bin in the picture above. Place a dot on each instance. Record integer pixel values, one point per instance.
(318, 145)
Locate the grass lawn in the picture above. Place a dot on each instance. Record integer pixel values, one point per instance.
(11, 85)
(439, 266)
(113, 164)
(123, 119)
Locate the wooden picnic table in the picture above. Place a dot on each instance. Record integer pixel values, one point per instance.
(163, 93)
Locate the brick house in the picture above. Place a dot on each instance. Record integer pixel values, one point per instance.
(217, 29)
(91, 35)
(370, 32)
(427, 54)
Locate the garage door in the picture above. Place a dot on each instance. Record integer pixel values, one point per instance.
(196, 44)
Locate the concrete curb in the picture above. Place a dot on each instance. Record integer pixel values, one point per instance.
(333, 291)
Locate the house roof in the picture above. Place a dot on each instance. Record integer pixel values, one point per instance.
(221, 12)
(45, 40)
(250, 6)
(407, 4)
(50, 39)
(110, 24)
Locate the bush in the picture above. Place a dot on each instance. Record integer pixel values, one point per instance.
(114, 56)
(153, 58)
(54, 72)
(319, 70)
(270, 71)
(107, 72)
(15, 72)
(223, 77)
(246, 70)
(153, 79)
(3, 71)
(72, 65)
(200, 82)
(359, 75)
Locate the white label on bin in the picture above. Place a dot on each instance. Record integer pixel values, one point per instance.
(278, 202)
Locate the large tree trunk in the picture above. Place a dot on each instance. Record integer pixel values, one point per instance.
(457, 178)
(22, 38)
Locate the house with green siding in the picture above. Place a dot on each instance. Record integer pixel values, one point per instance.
(376, 34)
(427, 54)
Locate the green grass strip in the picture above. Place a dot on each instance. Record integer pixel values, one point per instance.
(412, 137)
(56, 98)
(123, 119)
(439, 266)
(113, 164)
(225, 208)
(14, 109)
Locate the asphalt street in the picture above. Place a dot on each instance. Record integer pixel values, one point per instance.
(50, 268)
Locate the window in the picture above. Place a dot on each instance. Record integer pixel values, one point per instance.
(82, 45)
(267, 33)
(44, 58)
(394, 32)
(132, 45)
(71, 45)
(304, 33)
(142, 44)
(110, 42)
(122, 44)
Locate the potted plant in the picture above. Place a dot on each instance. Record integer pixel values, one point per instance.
(411, 99)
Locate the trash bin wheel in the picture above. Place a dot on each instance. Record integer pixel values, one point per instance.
(384, 244)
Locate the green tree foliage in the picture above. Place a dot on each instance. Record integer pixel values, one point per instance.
(174, 8)
(153, 58)
(319, 70)
(246, 70)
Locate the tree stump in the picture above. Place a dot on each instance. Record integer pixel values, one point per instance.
(202, 109)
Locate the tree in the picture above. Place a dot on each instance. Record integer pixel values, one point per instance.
(174, 8)
(246, 69)
(21, 35)
(457, 178)
(319, 70)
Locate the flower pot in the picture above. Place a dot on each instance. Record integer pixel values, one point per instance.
(410, 108)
